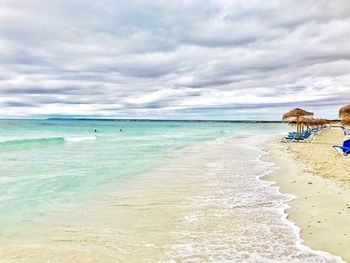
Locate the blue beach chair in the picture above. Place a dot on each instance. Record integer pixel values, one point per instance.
(343, 150)
(346, 130)
(293, 136)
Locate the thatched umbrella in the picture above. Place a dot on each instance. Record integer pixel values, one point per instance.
(345, 121)
(309, 122)
(296, 113)
(313, 122)
(344, 114)
(301, 122)
(316, 122)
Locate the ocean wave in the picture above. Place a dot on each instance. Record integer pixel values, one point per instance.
(80, 139)
(29, 141)
(43, 141)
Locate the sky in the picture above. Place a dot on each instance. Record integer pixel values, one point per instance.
(174, 59)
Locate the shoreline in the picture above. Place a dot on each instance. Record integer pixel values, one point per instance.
(321, 207)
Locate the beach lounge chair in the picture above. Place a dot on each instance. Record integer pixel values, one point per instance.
(293, 136)
(346, 130)
(343, 150)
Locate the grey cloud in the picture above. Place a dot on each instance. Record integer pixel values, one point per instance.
(271, 105)
(81, 55)
(33, 90)
(16, 104)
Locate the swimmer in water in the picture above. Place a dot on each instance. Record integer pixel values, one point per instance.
(95, 130)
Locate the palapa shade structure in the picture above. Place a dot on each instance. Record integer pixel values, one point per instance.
(309, 121)
(345, 121)
(344, 114)
(295, 115)
(300, 122)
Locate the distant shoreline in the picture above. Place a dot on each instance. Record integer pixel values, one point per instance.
(150, 120)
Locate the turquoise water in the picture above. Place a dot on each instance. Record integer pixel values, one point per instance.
(46, 164)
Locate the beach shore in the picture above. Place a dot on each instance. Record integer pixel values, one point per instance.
(320, 179)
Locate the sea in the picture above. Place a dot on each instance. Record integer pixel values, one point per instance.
(143, 191)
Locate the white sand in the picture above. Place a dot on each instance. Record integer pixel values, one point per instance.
(320, 178)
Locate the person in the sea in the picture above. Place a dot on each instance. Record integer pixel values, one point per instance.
(121, 130)
(95, 130)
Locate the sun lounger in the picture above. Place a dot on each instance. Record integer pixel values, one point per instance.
(293, 136)
(343, 150)
(346, 130)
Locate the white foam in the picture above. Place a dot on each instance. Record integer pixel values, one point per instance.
(284, 217)
(242, 218)
(80, 139)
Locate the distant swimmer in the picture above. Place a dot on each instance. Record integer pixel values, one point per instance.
(95, 130)
(121, 130)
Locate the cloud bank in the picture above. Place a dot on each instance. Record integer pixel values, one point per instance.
(188, 59)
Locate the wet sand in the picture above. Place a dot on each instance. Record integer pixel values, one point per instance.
(320, 178)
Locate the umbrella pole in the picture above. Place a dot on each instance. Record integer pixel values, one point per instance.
(298, 129)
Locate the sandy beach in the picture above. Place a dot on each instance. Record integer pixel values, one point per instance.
(320, 179)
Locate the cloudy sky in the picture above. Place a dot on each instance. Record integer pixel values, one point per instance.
(185, 59)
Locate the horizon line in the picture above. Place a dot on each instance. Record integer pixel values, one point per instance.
(141, 119)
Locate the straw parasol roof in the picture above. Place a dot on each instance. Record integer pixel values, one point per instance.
(345, 121)
(309, 121)
(301, 120)
(344, 112)
(297, 112)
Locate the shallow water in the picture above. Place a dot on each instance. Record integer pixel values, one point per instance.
(157, 192)
(44, 164)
